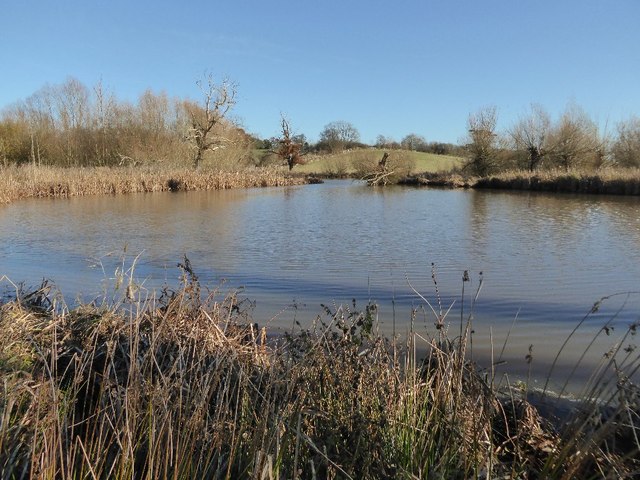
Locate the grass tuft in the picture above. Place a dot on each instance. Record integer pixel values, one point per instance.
(182, 384)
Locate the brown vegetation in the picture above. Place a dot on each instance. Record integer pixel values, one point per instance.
(69, 125)
(603, 181)
(288, 150)
(218, 100)
(183, 385)
(611, 181)
(29, 181)
(536, 143)
(390, 169)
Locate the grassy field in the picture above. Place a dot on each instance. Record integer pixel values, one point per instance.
(183, 385)
(29, 181)
(350, 162)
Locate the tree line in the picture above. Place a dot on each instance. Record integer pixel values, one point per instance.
(72, 125)
(536, 142)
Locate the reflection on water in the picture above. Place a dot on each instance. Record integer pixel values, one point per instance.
(548, 257)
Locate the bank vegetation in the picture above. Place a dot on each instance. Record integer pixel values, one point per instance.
(40, 182)
(569, 155)
(183, 385)
(71, 126)
(611, 181)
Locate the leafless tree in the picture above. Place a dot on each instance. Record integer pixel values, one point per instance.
(531, 134)
(287, 148)
(155, 111)
(626, 146)
(387, 143)
(413, 141)
(105, 116)
(37, 113)
(336, 136)
(71, 100)
(218, 101)
(482, 141)
(574, 140)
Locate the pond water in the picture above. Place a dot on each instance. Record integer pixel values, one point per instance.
(541, 260)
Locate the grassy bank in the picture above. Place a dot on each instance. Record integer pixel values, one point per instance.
(183, 385)
(604, 181)
(612, 181)
(29, 181)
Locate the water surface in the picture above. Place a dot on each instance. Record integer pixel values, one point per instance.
(543, 258)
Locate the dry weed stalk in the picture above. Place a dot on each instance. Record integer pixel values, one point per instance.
(184, 385)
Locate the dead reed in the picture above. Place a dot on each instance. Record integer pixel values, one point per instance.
(613, 181)
(183, 385)
(30, 181)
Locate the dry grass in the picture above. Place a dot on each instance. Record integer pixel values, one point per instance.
(353, 162)
(614, 181)
(183, 385)
(28, 181)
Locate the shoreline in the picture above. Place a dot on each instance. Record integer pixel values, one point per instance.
(17, 183)
(28, 181)
(602, 182)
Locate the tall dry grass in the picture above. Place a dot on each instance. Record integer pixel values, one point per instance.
(31, 181)
(183, 385)
(614, 181)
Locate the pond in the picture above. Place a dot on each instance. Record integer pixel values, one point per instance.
(539, 260)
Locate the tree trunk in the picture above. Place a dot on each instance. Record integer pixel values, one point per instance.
(197, 158)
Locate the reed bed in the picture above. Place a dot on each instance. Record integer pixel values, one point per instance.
(31, 181)
(183, 385)
(602, 181)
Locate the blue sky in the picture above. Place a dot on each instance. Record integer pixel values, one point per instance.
(389, 68)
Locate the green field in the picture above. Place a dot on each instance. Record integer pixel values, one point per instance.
(345, 163)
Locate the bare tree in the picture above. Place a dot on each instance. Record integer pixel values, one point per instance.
(386, 143)
(413, 141)
(337, 136)
(482, 141)
(37, 111)
(574, 140)
(218, 100)
(288, 149)
(104, 123)
(71, 104)
(72, 112)
(626, 146)
(531, 134)
(155, 111)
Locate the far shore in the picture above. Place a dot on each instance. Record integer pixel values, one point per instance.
(608, 181)
(29, 181)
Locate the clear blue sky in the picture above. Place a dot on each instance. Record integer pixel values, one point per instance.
(387, 67)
